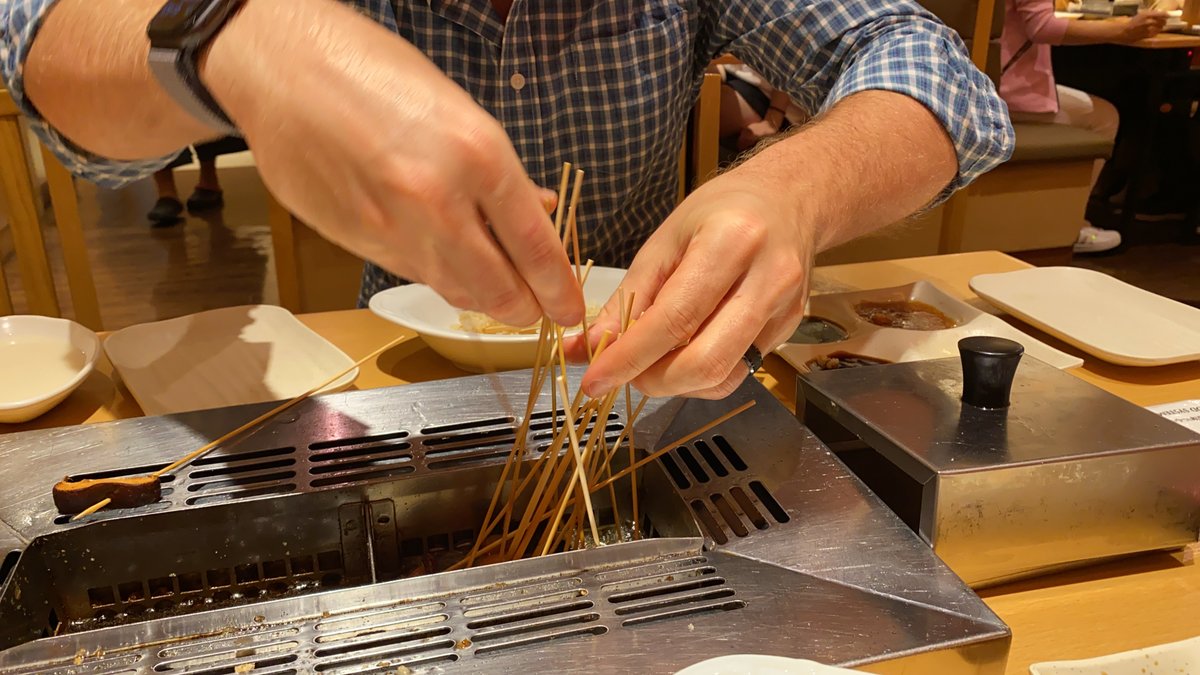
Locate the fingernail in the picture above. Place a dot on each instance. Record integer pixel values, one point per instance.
(598, 388)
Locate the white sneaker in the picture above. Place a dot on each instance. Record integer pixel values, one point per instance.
(1094, 240)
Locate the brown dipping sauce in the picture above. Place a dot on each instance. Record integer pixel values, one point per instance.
(907, 314)
(838, 360)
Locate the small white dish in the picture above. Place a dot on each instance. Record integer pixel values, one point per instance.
(1107, 318)
(898, 345)
(42, 360)
(419, 308)
(224, 357)
(1169, 659)
(758, 664)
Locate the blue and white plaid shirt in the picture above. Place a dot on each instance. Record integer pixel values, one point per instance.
(607, 85)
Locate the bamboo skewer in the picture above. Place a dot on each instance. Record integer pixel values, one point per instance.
(544, 503)
(516, 456)
(626, 310)
(212, 445)
(570, 490)
(671, 446)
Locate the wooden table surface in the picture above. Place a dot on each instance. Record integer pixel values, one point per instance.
(1135, 602)
(1169, 41)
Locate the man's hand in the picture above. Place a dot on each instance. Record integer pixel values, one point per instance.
(353, 130)
(364, 139)
(728, 269)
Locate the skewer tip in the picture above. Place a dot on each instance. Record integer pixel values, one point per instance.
(91, 509)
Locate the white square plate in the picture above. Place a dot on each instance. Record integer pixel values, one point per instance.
(224, 357)
(1106, 318)
(1176, 658)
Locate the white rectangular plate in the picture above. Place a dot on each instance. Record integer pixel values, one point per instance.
(901, 345)
(1107, 318)
(223, 357)
(1169, 659)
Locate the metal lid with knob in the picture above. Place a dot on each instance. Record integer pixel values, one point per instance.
(988, 366)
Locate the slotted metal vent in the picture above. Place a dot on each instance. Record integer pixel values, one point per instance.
(727, 502)
(88, 664)
(364, 458)
(240, 475)
(704, 461)
(459, 445)
(530, 614)
(272, 651)
(737, 512)
(386, 638)
(667, 590)
(246, 473)
(187, 591)
(542, 427)
(552, 606)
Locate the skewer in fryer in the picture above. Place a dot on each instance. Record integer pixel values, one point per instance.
(544, 504)
(674, 444)
(126, 493)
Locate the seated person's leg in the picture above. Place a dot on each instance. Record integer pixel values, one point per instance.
(168, 208)
(208, 194)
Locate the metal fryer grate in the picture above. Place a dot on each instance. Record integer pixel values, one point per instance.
(539, 607)
(249, 470)
(793, 583)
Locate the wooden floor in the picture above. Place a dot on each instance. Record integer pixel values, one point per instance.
(225, 258)
(144, 274)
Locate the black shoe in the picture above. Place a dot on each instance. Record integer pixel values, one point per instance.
(166, 211)
(204, 199)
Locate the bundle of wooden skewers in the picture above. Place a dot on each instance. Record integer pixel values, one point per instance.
(543, 503)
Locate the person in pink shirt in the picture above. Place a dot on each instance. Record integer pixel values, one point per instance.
(1027, 80)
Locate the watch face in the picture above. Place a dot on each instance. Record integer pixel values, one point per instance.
(183, 22)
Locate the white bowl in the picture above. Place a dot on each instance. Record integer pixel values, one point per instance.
(1168, 659)
(42, 360)
(419, 308)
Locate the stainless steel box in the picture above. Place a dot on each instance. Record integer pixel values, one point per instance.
(1068, 474)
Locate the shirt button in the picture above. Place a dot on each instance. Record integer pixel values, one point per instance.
(517, 81)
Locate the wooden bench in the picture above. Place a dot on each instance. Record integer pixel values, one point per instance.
(1032, 205)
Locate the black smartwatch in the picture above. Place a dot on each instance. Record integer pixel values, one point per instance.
(177, 34)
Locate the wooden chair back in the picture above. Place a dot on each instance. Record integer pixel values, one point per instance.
(25, 223)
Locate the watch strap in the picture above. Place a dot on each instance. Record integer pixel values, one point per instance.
(176, 71)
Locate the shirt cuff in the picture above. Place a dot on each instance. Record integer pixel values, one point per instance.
(932, 67)
(20, 21)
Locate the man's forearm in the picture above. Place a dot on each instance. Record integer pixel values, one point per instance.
(874, 159)
(87, 75)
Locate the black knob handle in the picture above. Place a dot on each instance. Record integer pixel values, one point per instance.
(989, 364)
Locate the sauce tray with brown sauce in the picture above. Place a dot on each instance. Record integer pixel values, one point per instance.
(914, 322)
